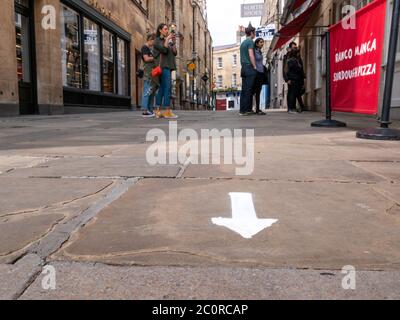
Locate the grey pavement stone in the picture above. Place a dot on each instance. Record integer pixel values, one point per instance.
(100, 167)
(18, 232)
(321, 225)
(388, 170)
(17, 162)
(20, 195)
(336, 198)
(289, 170)
(14, 279)
(96, 281)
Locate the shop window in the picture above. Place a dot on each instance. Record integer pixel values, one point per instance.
(70, 46)
(91, 57)
(22, 38)
(122, 68)
(108, 62)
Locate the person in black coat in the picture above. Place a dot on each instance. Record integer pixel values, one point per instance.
(295, 79)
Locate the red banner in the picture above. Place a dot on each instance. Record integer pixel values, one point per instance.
(356, 58)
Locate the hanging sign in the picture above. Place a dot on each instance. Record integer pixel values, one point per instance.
(356, 58)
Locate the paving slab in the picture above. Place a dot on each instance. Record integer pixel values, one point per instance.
(167, 222)
(288, 169)
(294, 151)
(19, 231)
(99, 167)
(20, 195)
(389, 170)
(96, 281)
(14, 279)
(17, 162)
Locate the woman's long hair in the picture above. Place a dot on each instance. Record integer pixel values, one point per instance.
(258, 41)
(160, 27)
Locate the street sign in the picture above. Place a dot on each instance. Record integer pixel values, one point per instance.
(250, 10)
(244, 219)
(266, 32)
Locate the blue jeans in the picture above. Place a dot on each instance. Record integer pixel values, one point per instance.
(148, 96)
(164, 93)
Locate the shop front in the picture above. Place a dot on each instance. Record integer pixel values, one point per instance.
(83, 62)
(94, 58)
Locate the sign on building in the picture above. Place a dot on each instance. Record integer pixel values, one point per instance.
(356, 58)
(266, 32)
(91, 37)
(251, 10)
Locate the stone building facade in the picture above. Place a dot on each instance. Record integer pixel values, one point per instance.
(62, 56)
(227, 79)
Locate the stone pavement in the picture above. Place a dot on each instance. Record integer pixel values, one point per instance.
(77, 193)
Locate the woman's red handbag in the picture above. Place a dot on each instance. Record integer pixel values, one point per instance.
(157, 71)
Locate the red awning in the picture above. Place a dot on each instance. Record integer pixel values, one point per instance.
(297, 4)
(295, 26)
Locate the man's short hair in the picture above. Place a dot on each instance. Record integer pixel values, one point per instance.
(292, 44)
(249, 30)
(151, 36)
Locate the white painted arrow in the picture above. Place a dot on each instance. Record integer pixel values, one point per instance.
(244, 219)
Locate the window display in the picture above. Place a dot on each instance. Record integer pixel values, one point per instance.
(70, 48)
(122, 68)
(91, 56)
(108, 62)
(22, 47)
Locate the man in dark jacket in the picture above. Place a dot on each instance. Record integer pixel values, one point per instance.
(295, 79)
(293, 47)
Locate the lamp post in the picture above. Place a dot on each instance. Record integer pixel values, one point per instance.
(384, 132)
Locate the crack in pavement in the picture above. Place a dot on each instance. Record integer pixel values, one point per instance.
(60, 233)
(56, 205)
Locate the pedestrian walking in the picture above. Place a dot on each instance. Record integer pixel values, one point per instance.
(261, 74)
(165, 52)
(151, 84)
(249, 71)
(295, 79)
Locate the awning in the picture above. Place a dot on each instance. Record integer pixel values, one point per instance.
(297, 4)
(296, 25)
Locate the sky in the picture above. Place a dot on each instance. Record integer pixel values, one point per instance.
(224, 19)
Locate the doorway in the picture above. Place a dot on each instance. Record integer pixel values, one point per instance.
(25, 56)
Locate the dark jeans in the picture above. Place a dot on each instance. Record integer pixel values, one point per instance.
(294, 94)
(258, 88)
(248, 79)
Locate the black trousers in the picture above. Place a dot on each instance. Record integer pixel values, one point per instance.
(248, 79)
(294, 95)
(258, 88)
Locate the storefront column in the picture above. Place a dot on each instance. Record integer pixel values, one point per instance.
(48, 61)
(9, 101)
